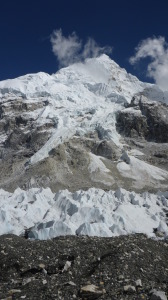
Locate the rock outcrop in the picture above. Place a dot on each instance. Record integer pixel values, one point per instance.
(144, 118)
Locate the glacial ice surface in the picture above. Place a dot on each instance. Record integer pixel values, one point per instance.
(93, 212)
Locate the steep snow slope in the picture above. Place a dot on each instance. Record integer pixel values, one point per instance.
(59, 131)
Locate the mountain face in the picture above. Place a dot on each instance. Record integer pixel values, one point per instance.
(88, 127)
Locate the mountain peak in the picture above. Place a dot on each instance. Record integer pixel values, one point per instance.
(100, 70)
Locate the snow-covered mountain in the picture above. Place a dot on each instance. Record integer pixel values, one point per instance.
(97, 76)
(76, 100)
(93, 127)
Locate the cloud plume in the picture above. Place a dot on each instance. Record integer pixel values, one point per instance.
(71, 49)
(157, 50)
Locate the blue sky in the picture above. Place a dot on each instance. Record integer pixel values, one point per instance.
(26, 28)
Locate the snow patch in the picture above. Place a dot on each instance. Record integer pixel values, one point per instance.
(96, 164)
(134, 168)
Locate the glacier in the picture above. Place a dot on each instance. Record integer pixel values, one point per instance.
(94, 212)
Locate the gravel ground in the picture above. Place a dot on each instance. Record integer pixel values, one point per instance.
(71, 267)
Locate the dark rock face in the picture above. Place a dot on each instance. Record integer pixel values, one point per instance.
(23, 137)
(125, 267)
(106, 149)
(20, 128)
(131, 124)
(144, 118)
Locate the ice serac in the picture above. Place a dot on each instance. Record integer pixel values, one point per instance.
(95, 212)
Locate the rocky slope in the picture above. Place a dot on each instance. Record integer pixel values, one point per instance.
(145, 119)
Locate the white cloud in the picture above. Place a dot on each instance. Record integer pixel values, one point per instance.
(71, 49)
(91, 49)
(157, 50)
(65, 49)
